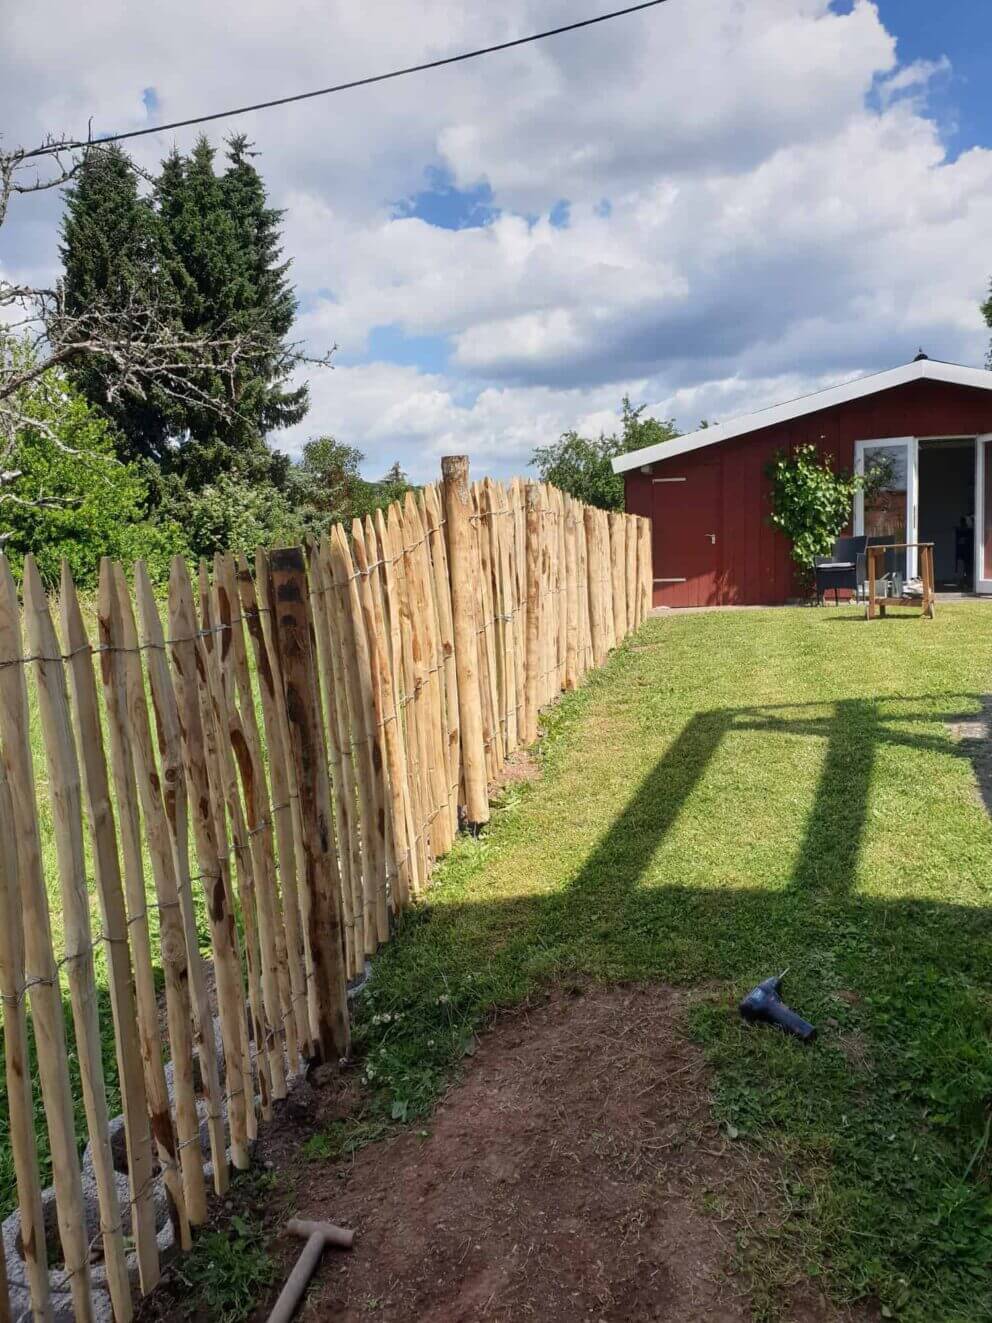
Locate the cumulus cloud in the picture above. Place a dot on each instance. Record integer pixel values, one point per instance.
(714, 205)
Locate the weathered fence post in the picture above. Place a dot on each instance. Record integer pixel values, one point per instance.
(176, 805)
(41, 970)
(112, 672)
(188, 670)
(107, 874)
(461, 565)
(67, 819)
(18, 1072)
(289, 589)
(532, 643)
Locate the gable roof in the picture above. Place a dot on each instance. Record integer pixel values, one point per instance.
(923, 369)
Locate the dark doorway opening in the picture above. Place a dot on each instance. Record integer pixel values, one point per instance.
(947, 510)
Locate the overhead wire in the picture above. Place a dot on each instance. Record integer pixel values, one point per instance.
(50, 149)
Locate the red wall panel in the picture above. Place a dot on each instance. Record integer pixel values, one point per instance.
(754, 565)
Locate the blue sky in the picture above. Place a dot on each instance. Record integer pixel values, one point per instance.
(711, 206)
(961, 31)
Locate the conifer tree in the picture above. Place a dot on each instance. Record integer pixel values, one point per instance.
(110, 243)
(220, 250)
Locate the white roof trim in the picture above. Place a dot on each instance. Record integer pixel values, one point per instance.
(925, 369)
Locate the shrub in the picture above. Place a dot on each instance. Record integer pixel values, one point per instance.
(73, 498)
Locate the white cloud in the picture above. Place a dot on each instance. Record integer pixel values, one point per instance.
(782, 213)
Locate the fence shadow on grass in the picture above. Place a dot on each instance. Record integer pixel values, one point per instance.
(605, 920)
(910, 974)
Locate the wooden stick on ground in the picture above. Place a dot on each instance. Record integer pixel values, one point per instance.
(40, 968)
(65, 795)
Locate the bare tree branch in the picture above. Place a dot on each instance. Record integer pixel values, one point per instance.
(137, 346)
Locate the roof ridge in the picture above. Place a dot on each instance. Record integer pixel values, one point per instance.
(854, 388)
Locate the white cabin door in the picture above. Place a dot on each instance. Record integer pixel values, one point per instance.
(889, 508)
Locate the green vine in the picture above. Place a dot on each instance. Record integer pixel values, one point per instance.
(811, 503)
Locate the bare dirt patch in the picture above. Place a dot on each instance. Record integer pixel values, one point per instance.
(520, 766)
(575, 1173)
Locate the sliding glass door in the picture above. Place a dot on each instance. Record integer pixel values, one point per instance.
(885, 509)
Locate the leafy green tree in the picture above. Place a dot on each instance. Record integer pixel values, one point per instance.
(110, 252)
(235, 513)
(326, 485)
(72, 497)
(581, 465)
(987, 314)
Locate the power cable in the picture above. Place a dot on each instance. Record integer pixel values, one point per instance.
(49, 150)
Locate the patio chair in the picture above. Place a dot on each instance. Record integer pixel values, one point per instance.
(843, 568)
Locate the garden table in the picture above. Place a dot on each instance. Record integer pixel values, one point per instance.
(876, 605)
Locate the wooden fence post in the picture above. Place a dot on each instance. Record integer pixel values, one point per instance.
(289, 589)
(246, 754)
(363, 735)
(41, 970)
(115, 700)
(461, 565)
(390, 534)
(20, 1107)
(442, 594)
(189, 672)
(172, 938)
(382, 691)
(647, 565)
(572, 671)
(65, 794)
(270, 691)
(107, 873)
(176, 804)
(324, 600)
(533, 651)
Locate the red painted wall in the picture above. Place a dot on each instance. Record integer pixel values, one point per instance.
(752, 561)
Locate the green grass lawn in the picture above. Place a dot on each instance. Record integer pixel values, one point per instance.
(736, 793)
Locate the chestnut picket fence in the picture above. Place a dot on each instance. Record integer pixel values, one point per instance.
(275, 757)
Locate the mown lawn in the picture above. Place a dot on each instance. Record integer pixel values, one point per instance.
(736, 793)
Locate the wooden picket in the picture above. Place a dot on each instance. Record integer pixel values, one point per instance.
(296, 748)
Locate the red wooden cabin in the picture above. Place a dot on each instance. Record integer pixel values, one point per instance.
(708, 495)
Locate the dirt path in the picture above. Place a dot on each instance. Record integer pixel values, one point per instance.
(575, 1173)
